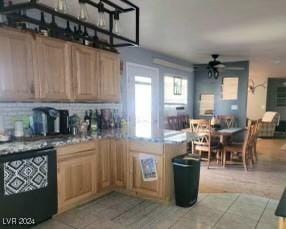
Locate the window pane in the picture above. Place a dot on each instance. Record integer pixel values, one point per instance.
(143, 108)
(171, 90)
(142, 79)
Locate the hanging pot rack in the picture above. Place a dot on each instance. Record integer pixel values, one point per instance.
(121, 41)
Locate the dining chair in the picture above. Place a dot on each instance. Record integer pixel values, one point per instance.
(197, 125)
(245, 148)
(256, 129)
(227, 121)
(183, 121)
(173, 122)
(205, 142)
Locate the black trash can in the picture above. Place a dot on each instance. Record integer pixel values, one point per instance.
(186, 179)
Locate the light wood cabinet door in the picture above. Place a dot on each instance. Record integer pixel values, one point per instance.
(109, 77)
(16, 66)
(76, 180)
(119, 163)
(54, 69)
(136, 182)
(104, 164)
(85, 73)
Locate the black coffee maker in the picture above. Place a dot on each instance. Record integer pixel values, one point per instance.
(46, 121)
(64, 121)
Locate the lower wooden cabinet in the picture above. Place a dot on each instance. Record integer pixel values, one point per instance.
(136, 182)
(119, 163)
(104, 164)
(76, 179)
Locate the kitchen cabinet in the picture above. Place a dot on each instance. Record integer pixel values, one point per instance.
(85, 70)
(104, 164)
(109, 77)
(119, 163)
(16, 66)
(76, 175)
(54, 69)
(136, 182)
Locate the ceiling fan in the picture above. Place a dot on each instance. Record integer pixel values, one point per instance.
(215, 66)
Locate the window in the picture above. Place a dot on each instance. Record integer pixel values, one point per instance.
(207, 105)
(281, 97)
(175, 90)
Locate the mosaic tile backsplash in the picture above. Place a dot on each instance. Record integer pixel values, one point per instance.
(10, 112)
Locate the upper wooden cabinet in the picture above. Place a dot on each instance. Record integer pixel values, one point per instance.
(34, 67)
(16, 66)
(109, 77)
(85, 73)
(54, 69)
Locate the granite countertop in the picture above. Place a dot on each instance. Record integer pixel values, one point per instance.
(157, 136)
(281, 209)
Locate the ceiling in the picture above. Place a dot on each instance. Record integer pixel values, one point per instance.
(252, 30)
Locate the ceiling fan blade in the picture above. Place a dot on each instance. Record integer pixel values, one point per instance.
(220, 66)
(235, 68)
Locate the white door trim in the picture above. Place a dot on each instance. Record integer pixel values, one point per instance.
(156, 70)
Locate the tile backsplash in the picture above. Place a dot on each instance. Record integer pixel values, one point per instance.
(11, 111)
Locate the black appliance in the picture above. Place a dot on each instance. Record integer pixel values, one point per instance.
(28, 190)
(186, 179)
(46, 121)
(64, 121)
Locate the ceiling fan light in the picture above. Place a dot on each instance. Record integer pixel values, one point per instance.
(210, 74)
(216, 73)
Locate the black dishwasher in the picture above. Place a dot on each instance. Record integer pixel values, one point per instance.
(28, 188)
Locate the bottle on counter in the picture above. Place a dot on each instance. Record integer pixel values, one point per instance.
(53, 27)
(94, 125)
(86, 117)
(85, 37)
(79, 34)
(99, 123)
(43, 28)
(68, 34)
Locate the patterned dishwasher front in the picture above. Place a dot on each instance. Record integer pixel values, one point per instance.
(25, 175)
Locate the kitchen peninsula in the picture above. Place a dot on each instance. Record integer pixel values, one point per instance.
(89, 167)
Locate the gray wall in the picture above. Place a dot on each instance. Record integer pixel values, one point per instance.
(145, 57)
(212, 86)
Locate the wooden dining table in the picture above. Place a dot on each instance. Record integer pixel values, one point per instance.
(222, 133)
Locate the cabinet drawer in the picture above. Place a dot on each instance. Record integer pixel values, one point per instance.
(71, 150)
(140, 146)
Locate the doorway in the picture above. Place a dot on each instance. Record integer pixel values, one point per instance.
(276, 100)
(143, 99)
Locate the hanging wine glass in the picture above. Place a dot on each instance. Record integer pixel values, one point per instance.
(61, 6)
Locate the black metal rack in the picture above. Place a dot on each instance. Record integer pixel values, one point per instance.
(12, 10)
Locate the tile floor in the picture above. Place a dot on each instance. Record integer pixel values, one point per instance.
(228, 210)
(271, 167)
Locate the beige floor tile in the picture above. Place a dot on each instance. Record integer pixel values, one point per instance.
(189, 224)
(52, 224)
(247, 210)
(201, 214)
(234, 221)
(266, 226)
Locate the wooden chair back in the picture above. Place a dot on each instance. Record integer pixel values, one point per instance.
(227, 121)
(173, 122)
(199, 125)
(183, 121)
(203, 141)
(248, 140)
